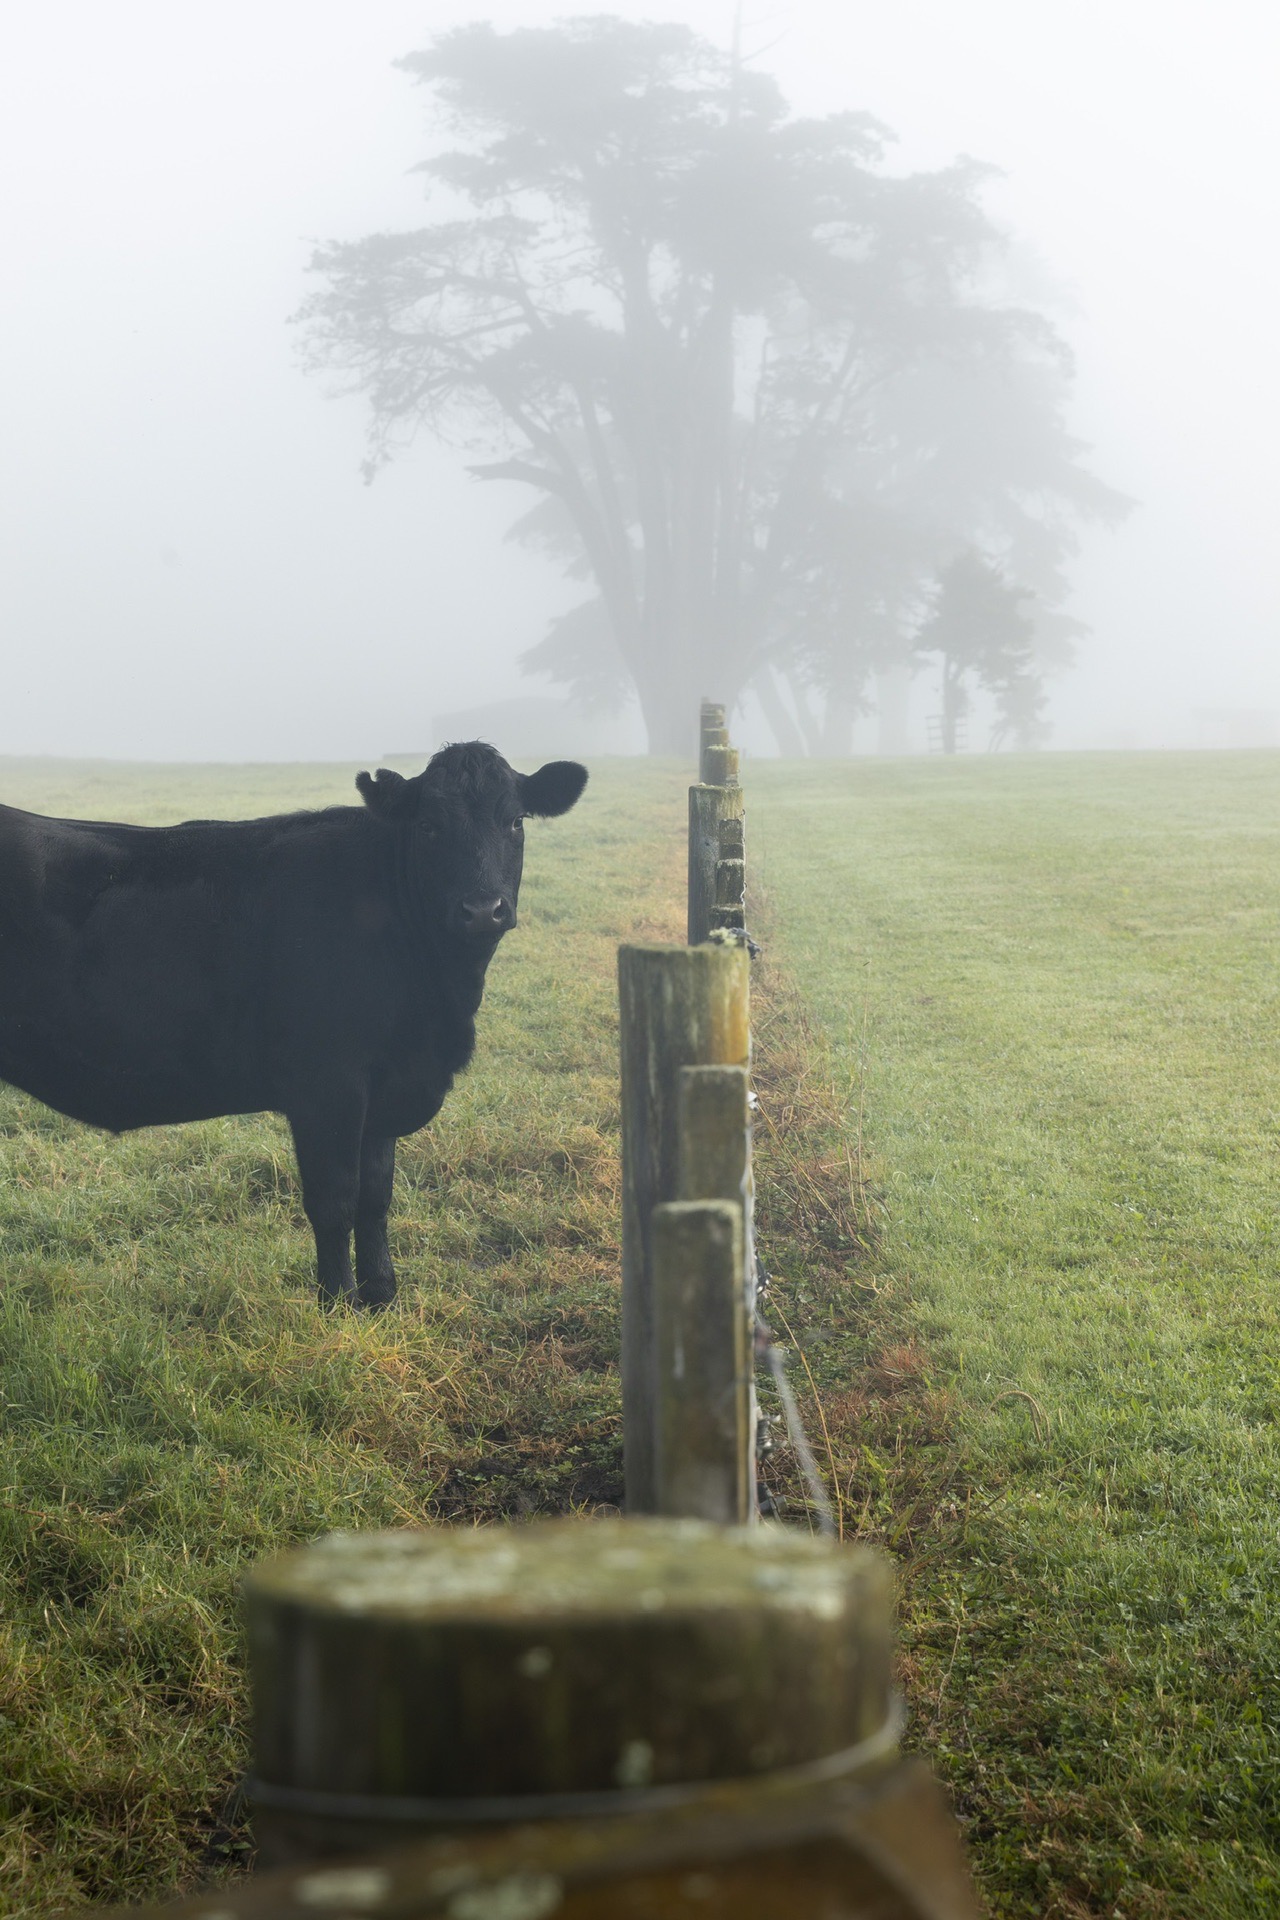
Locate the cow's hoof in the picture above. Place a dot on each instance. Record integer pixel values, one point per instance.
(332, 1299)
(375, 1299)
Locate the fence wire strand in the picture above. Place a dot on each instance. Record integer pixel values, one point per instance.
(772, 1356)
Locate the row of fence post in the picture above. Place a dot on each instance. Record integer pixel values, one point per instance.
(688, 1254)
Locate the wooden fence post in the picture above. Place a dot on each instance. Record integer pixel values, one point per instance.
(711, 732)
(679, 1007)
(712, 811)
(702, 1465)
(713, 1135)
(424, 1680)
(729, 907)
(704, 1305)
(720, 766)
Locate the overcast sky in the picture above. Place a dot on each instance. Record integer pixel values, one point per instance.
(191, 564)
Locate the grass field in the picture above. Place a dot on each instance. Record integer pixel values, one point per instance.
(1053, 982)
(1038, 1314)
(175, 1405)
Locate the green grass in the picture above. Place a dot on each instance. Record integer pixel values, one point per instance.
(1050, 987)
(1038, 1313)
(174, 1404)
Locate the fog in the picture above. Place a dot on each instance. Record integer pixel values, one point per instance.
(192, 566)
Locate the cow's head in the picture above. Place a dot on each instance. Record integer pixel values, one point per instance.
(463, 822)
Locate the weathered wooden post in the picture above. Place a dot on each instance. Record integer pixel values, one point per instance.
(713, 1135)
(712, 731)
(679, 1007)
(582, 1718)
(704, 1289)
(702, 1465)
(712, 811)
(417, 1681)
(729, 907)
(720, 765)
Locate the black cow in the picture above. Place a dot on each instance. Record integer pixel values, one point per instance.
(328, 966)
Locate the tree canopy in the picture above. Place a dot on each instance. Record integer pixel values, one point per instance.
(753, 377)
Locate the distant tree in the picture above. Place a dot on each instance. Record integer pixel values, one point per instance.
(752, 376)
(981, 632)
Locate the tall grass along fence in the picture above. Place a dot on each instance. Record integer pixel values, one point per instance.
(677, 1713)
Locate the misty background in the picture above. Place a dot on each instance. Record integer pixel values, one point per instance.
(192, 564)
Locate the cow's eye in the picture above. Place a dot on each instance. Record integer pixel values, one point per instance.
(517, 825)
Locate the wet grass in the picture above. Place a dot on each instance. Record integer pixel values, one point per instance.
(1049, 989)
(1016, 1029)
(174, 1404)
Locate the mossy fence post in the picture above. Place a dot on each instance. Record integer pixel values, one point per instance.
(715, 811)
(679, 1007)
(729, 905)
(596, 1716)
(455, 1677)
(703, 1308)
(712, 732)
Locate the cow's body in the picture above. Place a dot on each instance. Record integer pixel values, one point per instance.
(327, 966)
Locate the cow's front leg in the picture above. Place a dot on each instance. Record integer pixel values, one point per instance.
(376, 1275)
(327, 1139)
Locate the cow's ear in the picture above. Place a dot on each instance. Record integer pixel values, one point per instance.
(553, 788)
(386, 793)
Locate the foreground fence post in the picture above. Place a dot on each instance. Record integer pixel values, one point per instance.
(419, 1681)
(588, 1717)
(679, 1007)
(713, 811)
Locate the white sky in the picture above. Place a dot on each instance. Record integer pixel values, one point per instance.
(191, 565)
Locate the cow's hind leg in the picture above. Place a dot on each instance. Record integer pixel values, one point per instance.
(327, 1142)
(374, 1271)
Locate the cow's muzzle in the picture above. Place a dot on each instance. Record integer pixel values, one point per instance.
(486, 919)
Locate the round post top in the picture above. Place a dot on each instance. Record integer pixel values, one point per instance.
(568, 1567)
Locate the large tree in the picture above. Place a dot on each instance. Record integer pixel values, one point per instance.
(751, 375)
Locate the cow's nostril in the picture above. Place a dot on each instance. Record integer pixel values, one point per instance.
(487, 916)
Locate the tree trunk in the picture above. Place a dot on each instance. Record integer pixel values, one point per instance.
(785, 731)
(837, 727)
(953, 702)
(670, 720)
(810, 725)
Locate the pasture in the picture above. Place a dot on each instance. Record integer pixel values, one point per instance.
(1054, 981)
(1017, 1040)
(175, 1404)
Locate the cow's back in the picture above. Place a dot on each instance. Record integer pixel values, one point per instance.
(150, 974)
